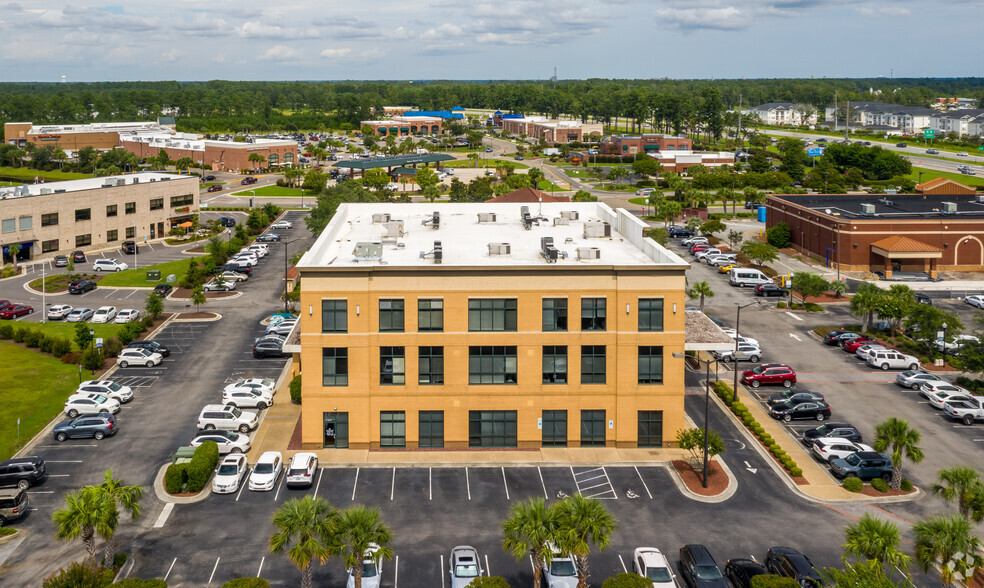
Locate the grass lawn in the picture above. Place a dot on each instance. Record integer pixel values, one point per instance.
(27, 173)
(59, 282)
(138, 277)
(63, 329)
(278, 191)
(929, 174)
(34, 392)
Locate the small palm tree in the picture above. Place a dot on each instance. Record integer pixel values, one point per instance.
(875, 539)
(87, 513)
(963, 484)
(896, 436)
(949, 542)
(865, 301)
(528, 531)
(125, 497)
(701, 290)
(582, 522)
(361, 533)
(306, 529)
(838, 287)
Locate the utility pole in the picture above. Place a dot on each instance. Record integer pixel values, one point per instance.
(739, 118)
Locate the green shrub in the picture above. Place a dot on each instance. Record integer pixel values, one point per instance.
(773, 581)
(112, 347)
(175, 478)
(853, 484)
(79, 574)
(32, 338)
(19, 334)
(747, 419)
(247, 582)
(295, 389)
(129, 332)
(488, 582)
(118, 560)
(148, 322)
(202, 465)
(92, 359)
(787, 462)
(626, 581)
(923, 360)
(811, 307)
(781, 305)
(4, 531)
(906, 485)
(44, 345)
(141, 583)
(795, 472)
(879, 485)
(61, 347)
(6, 332)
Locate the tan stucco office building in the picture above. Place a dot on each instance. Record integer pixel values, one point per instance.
(43, 220)
(459, 326)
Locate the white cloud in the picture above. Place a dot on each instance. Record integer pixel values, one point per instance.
(258, 30)
(723, 19)
(171, 55)
(336, 52)
(280, 53)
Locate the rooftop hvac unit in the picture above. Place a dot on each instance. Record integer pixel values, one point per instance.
(380, 217)
(368, 251)
(597, 229)
(136, 180)
(45, 190)
(561, 221)
(867, 209)
(948, 207)
(486, 217)
(108, 184)
(153, 179)
(499, 249)
(165, 178)
(438, 251)
(436, 220)
(527, 220)
(550, 253)
(588, 253)
(394, 228)
(60, 191)
(569, 214)
(524, 211)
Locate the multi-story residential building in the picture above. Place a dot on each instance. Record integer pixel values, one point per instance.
(490, 325)
(44, 220)
(909, 119)
(965, 122)
(784, 113)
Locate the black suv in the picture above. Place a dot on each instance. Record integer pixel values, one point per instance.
(789, 563)
(81, 286)
(163, 290)
(226, 221)
(698, 568)
(130, 247)
(842, 430)
(78, 256)
(23, 472)
(741, 571)
(151, 346)
(235, 267)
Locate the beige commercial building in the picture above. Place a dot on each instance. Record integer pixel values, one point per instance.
(44, 220)
(552, 131)
(490, 325)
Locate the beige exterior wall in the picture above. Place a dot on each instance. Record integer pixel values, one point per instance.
(364, 397)
(146, 223)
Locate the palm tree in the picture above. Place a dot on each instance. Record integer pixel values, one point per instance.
(963, 484)
(126, 498)
(838, 287)
(875, 539)
(701, 290)
(895, 434)
(256, 158)
(359, 533)
(529, 530)
(939, 540)
(87, 513)
(306, 528)
(865, 301)
(582, 522)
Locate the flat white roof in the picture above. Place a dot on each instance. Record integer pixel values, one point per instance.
(88, 184)
(107, 127)
(466, 240)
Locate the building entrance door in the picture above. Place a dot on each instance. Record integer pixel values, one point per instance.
(335, 430)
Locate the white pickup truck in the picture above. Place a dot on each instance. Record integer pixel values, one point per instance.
(965, 411)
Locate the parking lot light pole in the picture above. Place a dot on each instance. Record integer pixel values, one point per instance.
(944, 344)
(707, 405)
(734, 397)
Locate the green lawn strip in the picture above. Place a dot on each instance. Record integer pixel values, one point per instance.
(929, 174)
(58, 282)
(34, 392)
(138, 277)
(26, 173)
(278, 191)
(67, 330)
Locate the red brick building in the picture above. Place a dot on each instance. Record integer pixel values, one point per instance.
(645, 143)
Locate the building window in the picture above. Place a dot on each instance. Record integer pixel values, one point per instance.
(336, 430)
(391, 315)
(392, 365)
(288, 158)
(592, 428)
(185, 200)
(392, 429)
(157, 204)
(9, 225)
(130, 207)
(431, 429)
(592, 364)
(492, 428)
(554, 314)
(112, 236)
(554, 428)
(48, 220)
(430, 314)
(25, 222)
(492, 365)
(334, 316)
(111, 210)
(83, 240)
(492, 314)
(430, 365)
(592, 314)
(49, 246)
(131, 232)
(83, 214)
(334, 366)
(650, 365)
(650, 314)
(650, 428)
(555, 364)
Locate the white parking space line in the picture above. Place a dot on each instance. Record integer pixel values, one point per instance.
(622, 561)
(318, 485)
(532, 567)
(393, 484)
(545, 496)
(441, 569)
(59, 476)
(63, 446)
(504, 483)
(794, 316)
(260, 571)
(242, 484)
(396, 571)
(643, 483)
(42, 491)
(130, 294)
(171, 567)
(467, 484)
(488, 570)
(215, 567)
(275, 496)
(164, 514)
(430, 485)
(355, 484)
(64, 461)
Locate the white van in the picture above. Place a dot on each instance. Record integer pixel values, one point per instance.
(747, 277)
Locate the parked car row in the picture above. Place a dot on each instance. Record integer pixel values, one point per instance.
(698, 568)
(11, 310)
(271, 344)
(870, 351)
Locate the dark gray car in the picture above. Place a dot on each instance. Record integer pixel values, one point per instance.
(86, 427)
(698, 568)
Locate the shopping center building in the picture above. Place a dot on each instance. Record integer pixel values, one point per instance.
(552, 324)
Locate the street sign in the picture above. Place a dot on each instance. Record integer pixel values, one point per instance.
(980, 148)
(939, 335)
(815, 152)
(99, 342)
(929, 133)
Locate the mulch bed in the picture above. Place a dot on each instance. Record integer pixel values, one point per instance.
(196, 315)
(195, 250)
(717, 480)
(869, 491)
(295, 439)
(186, 293)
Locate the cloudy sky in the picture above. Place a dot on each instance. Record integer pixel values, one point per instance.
(480, 39)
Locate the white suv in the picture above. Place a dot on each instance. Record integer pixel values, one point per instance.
(108, 265)
(78, 404)
(228, 418)
(891, 359)
(106, 388)
(138, 356)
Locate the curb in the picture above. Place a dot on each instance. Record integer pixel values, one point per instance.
(233, 297)
(20, 534)
(27, 287)
(166, 498)
(217, 317)
(727, 494)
